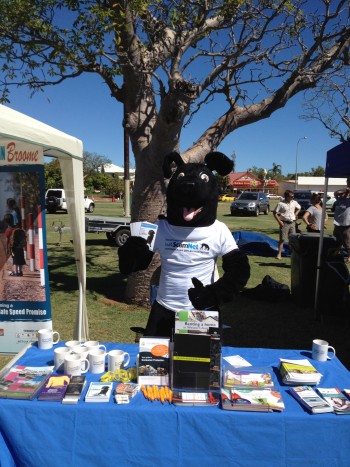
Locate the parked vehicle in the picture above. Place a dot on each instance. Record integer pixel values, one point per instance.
(330, 203)
(117, 229)
(251, 202)
(226, 197)
(55, 200)
(303, 197)
(273, 196)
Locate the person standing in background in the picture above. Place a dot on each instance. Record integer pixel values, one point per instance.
(313, 214)
(286, 213)
(342, 218)
(14, 210)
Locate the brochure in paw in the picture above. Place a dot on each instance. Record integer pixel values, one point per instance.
(145, 230)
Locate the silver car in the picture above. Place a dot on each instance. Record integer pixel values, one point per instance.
(251, 202)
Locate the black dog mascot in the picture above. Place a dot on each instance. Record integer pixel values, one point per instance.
(189, 240)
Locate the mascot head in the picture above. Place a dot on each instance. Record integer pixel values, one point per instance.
(192, 194)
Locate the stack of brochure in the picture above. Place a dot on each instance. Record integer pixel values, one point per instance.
(299, 372)
(335, 398)
(308, 398)
(252, 399)
(250, 389)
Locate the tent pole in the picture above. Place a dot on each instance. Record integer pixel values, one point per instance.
(320, 246)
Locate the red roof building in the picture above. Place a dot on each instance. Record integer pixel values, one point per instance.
(247, 181)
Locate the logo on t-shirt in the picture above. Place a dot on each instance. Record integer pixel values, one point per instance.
(172, 244)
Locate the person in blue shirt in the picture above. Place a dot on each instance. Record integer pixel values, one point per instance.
(14, 210)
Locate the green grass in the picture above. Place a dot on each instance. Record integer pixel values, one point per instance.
(253, 323)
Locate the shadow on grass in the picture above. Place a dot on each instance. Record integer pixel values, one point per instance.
(103, 241)
(111, 287)
(283, 325)
(275, 264)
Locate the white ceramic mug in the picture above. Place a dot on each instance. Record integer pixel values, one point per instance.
(94, 345)
(80, 350)
(46, 338)
(320, 350)
(72, 344)
(74, 365)
(97, 359)
(59, 355)
(117, 359)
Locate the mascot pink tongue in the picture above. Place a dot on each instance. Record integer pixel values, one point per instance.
(189, 213)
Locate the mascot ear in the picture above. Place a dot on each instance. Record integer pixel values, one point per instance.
(168, 160)
(219, 162)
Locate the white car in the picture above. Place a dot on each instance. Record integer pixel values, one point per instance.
(330, 203)
(272, 196)
(55, 200)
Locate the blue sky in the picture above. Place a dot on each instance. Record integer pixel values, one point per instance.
(82, 107)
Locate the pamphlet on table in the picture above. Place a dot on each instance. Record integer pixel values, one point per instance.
(54, 388)
(310, 400)
(335, 398)
(99, 392)
(23, 382)
(299, 372)
(75, 389)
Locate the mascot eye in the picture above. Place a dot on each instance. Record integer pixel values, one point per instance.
(181, 174)
(204, 177)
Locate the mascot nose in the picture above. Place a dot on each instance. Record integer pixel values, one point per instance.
(187, 187)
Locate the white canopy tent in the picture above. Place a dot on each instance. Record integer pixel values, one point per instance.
(337, 166)
(69, 151)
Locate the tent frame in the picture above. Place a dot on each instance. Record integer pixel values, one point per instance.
(69, 151)
(337, 166)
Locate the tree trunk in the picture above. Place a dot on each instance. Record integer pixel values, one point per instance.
(138, 289)
(160, 136)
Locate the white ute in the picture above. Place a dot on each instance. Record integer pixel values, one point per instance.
(55, 200)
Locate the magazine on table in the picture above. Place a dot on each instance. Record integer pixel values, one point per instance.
(23, 382)
(252, 399)
(254, 377)
(54, 388)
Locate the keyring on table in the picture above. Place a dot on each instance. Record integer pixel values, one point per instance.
(120, 375)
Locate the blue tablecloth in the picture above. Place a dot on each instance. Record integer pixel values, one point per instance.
(35, 434)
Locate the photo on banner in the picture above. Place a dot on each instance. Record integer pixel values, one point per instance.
(24, 287)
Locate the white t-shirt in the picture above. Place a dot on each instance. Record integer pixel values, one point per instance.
(188, 252)
(342, 212)
(287, 210)
(315, 216)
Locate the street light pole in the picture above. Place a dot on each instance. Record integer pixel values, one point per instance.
(296, 161)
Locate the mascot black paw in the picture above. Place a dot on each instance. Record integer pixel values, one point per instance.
(134, 255)
(202, 298)
(189, 241)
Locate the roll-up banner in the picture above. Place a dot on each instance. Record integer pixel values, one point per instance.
(24, 286)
